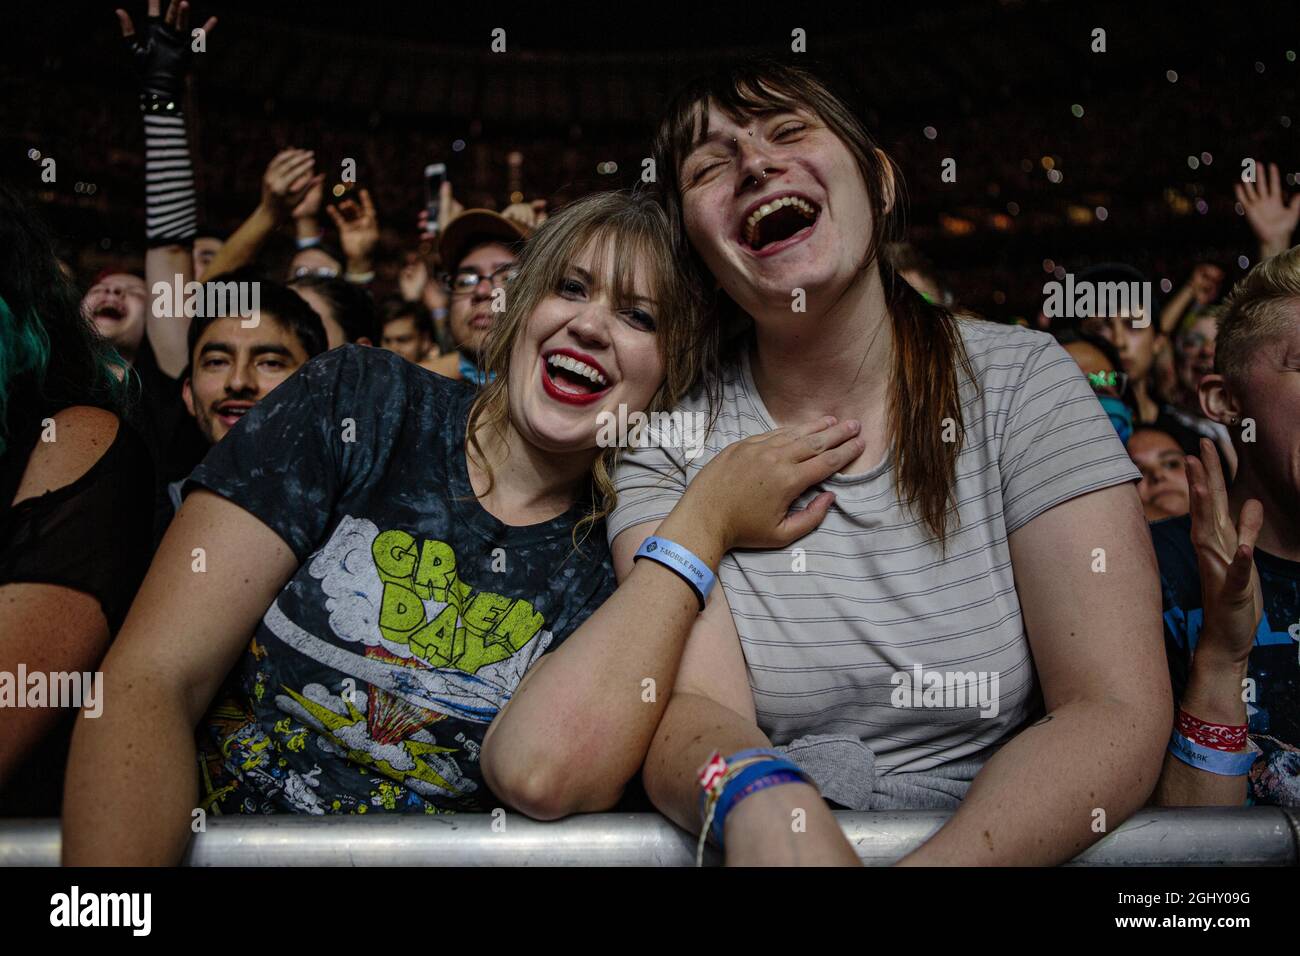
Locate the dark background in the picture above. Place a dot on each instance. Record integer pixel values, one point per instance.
(395, 85)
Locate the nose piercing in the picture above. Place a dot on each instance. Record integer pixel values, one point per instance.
(765, 174)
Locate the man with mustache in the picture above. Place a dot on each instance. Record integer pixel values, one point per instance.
(233, 367)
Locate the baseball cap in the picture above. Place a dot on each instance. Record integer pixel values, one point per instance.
(473, 227)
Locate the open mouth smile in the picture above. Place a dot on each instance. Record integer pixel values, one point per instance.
(231, 412)
(573, 377)
(777, 222)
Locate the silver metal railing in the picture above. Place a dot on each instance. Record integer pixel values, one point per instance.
(1240, 836)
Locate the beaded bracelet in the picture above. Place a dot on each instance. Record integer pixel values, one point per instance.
(757, 776)
(725, 782)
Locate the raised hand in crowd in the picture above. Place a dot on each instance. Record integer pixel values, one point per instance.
(1202, 288)
(529, 215)
(413, 277)
(1225, 556)
(1206, 281)
(1272, 217)
(161, 53)
(289, 181)
(448, 209)
(1233, 606)
(306, 215)
(358, 234)
(286, 185)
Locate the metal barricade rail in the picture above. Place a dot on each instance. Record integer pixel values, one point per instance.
(1238, 836)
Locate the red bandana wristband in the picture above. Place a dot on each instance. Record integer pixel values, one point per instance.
(1226, 737)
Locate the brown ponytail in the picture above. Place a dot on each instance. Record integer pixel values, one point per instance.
(925, 397)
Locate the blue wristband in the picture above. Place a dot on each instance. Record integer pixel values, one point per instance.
(756, 752)
(681, 562)
(759, 776)
(1212, 761)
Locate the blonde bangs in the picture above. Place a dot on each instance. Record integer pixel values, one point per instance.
(625, 232)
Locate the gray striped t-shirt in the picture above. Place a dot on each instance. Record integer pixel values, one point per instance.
(834, 628)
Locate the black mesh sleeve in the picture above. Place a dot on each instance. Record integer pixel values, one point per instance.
(94, 535)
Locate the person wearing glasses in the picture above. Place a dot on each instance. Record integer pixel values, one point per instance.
(479, 249)
(1100, 362)
(1116, 374)
(1141, 347)
(1194, 347)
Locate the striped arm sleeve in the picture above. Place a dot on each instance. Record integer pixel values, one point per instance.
(170, 201)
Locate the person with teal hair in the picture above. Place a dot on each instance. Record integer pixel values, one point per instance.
(94, 373)
(24, 348)
(76, 495)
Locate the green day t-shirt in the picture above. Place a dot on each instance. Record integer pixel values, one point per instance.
(414, 613)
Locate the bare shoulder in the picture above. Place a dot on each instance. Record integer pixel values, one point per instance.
(77, 438)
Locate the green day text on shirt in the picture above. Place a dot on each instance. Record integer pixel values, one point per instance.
(414, 613)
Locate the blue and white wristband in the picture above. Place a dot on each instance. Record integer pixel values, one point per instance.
(681, 562)
(1220, 762)
(756, 777)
